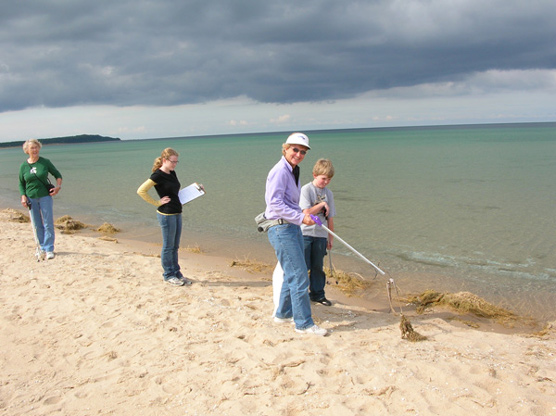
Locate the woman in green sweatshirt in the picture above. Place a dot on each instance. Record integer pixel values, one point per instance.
(37, 192)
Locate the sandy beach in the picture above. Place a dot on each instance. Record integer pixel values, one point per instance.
(96, 332)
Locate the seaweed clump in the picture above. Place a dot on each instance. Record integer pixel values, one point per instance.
(107, 228)
(68, 225)
(16, 216)
(549, 331)
(464, 303)
(408, 332)
(252, 266)
(349, 283)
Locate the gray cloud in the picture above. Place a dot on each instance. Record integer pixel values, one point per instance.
(165, 52)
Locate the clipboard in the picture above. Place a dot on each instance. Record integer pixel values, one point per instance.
(191, 192)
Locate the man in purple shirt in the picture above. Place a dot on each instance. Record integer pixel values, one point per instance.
(282, 204)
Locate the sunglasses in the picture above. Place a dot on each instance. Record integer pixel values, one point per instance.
(296, 150)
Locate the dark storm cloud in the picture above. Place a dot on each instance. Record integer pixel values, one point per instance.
(163, 52)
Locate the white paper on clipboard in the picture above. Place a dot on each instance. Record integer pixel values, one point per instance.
(189, 193)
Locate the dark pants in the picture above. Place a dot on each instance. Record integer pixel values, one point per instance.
(315, 250)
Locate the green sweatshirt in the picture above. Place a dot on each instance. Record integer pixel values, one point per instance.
(31, 175)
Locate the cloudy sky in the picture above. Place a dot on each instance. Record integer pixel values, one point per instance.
(165, 68)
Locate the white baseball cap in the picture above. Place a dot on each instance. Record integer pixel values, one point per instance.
(298, 138)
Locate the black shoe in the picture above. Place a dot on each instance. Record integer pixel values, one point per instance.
(323, 301)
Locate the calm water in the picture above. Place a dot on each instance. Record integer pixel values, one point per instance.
(449, 208)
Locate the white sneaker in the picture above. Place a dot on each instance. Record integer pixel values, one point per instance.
(174, 281)
(185, 280)
(315, 330)
(49, 255)
(283, 320)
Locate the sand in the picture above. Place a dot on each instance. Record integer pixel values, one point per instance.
(96, 332)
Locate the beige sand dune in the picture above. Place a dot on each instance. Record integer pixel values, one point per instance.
(96, 332)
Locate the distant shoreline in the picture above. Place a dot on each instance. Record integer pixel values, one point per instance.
(89, 138)
(82, 138)
(547, 124)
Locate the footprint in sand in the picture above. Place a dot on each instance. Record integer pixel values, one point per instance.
(52, 400)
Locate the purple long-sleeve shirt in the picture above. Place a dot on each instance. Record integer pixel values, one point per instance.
(282, 194)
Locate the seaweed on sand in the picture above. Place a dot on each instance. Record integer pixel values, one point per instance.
(16, 216)
(464, 303)
(349, 283)
(68, 225)
(107, 228)
(252, 266)
(408, 332)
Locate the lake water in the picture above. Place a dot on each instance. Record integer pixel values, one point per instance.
(449, 208)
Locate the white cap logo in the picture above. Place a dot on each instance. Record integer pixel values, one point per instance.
(298, 138)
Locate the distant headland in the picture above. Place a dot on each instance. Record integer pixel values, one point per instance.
(82, 138)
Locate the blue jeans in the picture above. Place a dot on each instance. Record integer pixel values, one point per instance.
(171, 234)
(43, 218)
(287, 241)
(315, 250)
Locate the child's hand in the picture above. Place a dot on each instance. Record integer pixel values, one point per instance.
(325, 208)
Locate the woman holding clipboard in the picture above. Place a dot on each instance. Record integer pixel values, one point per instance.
(169, 209)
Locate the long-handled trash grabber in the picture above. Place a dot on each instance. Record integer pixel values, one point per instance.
(405, 326)
(39, 254)
(319, 222)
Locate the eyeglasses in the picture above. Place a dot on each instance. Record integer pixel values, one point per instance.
(296, 150)
(173, 161)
